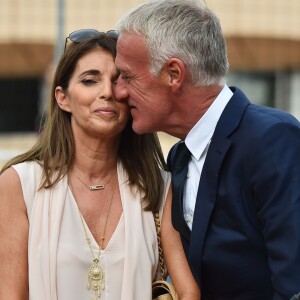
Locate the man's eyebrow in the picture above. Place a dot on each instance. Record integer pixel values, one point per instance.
(124, 73)
(120, 70)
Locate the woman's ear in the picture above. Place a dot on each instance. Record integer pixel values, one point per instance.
(175, 72)
(62, 99)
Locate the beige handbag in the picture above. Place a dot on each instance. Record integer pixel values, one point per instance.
(162, 289)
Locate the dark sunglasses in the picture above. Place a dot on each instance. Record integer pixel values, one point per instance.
(82, 35)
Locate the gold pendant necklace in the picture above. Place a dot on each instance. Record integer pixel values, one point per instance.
(93, 187)
(96, 274)
(96, 277)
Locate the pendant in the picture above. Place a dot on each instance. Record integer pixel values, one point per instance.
(96, 187)
(96, 279)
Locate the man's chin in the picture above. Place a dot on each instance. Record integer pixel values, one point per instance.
(137, 129)
(140, 128)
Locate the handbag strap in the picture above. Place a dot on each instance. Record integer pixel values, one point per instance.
(163, 272)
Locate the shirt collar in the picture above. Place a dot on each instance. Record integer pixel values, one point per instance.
(200, 135)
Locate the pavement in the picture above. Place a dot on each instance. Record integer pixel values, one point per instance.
(12, 144)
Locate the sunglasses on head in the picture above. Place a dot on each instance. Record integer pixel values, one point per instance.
(82, 35)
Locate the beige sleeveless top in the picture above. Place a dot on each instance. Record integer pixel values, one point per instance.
(59, 257)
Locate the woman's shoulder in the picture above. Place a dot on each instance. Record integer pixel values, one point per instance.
(8, 177)
(28, 166)
(30, 174)
(11, 189)
(29, 170)
(15, 177)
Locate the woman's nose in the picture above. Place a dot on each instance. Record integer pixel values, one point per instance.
(106, 91)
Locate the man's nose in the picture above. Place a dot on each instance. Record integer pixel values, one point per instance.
(120, 90)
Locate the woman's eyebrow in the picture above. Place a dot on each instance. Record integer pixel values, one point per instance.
(90, 72)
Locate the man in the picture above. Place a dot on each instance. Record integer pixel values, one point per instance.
(239, 217)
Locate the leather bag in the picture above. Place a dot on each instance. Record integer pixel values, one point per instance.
(162, 289)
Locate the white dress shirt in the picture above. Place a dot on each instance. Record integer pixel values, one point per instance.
(198, 141)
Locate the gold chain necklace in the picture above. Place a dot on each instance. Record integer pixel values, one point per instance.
(93, 187)
(96, 274)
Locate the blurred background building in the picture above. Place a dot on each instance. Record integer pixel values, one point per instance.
(263, 39)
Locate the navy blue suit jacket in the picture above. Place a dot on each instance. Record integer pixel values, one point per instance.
(245, 240)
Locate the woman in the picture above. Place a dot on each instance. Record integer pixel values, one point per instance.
(76, 209)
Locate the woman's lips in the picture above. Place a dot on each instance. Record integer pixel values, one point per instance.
(106, 111)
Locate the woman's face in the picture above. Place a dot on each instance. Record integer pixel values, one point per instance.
(89, 97)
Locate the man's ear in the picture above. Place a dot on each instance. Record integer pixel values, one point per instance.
(61, 99)
(175, 71)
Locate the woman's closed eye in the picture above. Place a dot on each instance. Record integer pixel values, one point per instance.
(88, 81)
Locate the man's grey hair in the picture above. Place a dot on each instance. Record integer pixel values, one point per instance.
(185, 29)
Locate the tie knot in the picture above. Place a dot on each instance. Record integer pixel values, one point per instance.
(183, 155)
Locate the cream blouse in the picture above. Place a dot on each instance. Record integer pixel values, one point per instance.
(59, 257)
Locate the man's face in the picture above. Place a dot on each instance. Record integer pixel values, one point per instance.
(146, 94)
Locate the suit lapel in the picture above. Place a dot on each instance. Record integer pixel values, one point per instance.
(208, 186)
(206, 198)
